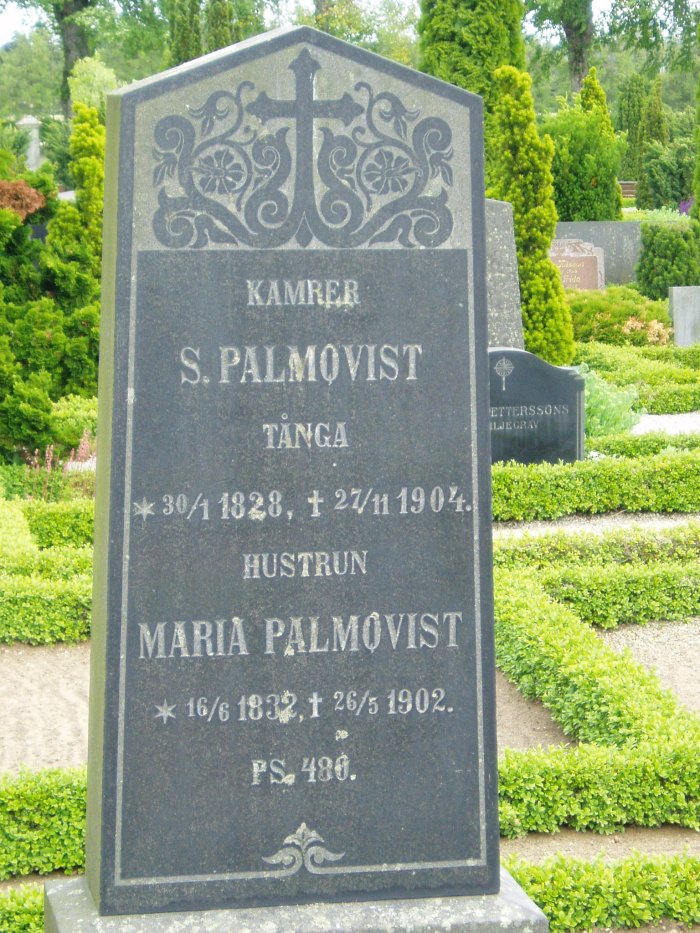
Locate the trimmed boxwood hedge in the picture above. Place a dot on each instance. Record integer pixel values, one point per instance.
(662, 483)
(619, 546)
(57, 524)
(40, 611)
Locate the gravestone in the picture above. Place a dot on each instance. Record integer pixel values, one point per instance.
(620, 240)
(32, 127)
(581, 265)
(684, 308)
(537, 410)
(292, 687)
(505, 328)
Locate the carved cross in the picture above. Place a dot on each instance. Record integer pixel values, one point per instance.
(304, 109)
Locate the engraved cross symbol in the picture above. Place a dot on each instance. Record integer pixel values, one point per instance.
(504, 368)
(304, 109)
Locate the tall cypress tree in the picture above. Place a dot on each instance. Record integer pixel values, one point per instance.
(522, 174)
(654, 127)
(218, 25)
(248, 18)
(187, 32)
(465, 41)
(593, 100)
(629, 117)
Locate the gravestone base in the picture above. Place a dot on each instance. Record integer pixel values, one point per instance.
(71, 909)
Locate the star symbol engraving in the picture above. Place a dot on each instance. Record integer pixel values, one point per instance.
(165, 712)
(144, 508)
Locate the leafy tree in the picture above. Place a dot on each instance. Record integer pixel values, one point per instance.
(522, 174)
(30, 75)
(629, 118)
(663, 28)
(248, 18)
(218, 24)
(90, 82)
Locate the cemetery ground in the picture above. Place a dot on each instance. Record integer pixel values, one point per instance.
(597, 566)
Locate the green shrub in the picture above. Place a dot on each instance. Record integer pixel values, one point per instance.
(621, 546)
(54, 524)
(594, 693)
(669, 172)
(607, 596)
(663, 483)
(578, 895)
(667, 381)
(58, 563)
(642, 445)
(72, 417)
(586, 165)
(618, 315)
(670, 256)
(15, 534)
(609, 408)
(22, 910)
(39, 611)
(42, 822)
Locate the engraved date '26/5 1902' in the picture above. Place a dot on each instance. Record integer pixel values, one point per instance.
(365, 186)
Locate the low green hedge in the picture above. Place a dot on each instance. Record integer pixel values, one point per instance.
(641, 445)
(578, 895)
(57, 563)
(56, 524)
(22, 910)
(662, 483)
(614, 594)
(40, 611)
(42, 822)
(620, 546)
(667, 383)
(594, 693)
(573, 894)
(598, 788)
(14, 531)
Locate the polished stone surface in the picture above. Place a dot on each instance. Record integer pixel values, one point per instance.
(293, 676)
(70, 909)
(537, 410)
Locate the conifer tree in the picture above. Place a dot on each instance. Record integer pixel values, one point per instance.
(593, 100)
(654, 127)
(218, 25)
(187, 32)
(629, 117)
(465, 41)
(522, 174)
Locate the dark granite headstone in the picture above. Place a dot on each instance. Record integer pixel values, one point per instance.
(537, 410)
(502, 282)
(293, 675)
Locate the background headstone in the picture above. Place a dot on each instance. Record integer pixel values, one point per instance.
(620, 240)
(684, 308)
(581, 265)
(537, 410)
(32, 126)
(502, 283)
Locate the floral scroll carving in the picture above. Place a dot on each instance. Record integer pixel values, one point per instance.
(220, 181)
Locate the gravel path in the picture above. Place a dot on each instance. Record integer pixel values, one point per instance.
(688, 423)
